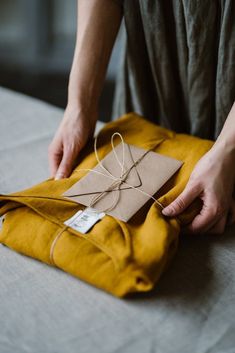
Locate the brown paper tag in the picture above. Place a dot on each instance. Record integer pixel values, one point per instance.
(147, 177)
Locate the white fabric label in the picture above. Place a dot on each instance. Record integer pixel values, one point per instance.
(84, 220)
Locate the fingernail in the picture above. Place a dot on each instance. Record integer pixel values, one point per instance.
(167, 211)
(59, 176)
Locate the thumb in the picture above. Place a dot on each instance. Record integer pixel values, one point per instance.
(66, 165)
(182, 201)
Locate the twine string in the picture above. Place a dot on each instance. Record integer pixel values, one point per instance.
(52, 247)
(121, 179)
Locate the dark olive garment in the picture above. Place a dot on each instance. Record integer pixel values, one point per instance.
(178, 63)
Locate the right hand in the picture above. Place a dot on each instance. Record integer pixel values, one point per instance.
(74, 130)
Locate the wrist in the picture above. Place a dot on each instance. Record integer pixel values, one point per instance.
(226, 147)
(82, 98)
(225, 154)
(85, 85)
(77, 109)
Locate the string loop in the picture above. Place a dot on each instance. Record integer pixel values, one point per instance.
(121, 179)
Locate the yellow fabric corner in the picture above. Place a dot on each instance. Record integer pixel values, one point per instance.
(118, 257)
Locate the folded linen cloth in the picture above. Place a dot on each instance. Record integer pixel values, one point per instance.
(118, 257)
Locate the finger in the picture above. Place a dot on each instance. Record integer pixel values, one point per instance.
(207, 217)
(182, 201)
(192, 229)
(66, 164)
(54, 156)
(218, 227)
(227, 219)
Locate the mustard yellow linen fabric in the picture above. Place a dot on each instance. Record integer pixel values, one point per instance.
(118, 257)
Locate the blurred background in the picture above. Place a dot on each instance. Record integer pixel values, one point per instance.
(37, 39)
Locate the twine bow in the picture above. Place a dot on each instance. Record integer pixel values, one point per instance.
(121, 179)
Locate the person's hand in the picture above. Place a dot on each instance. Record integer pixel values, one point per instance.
(212, 180)
(74, 130)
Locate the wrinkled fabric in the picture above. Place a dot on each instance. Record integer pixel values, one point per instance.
(118, 257)
(178, 64)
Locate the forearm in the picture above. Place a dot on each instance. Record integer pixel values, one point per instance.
(97, 28)
(226, 138)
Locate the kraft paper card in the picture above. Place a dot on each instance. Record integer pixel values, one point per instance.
(151, 172)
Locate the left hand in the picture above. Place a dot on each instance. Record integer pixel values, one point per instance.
(212, 180)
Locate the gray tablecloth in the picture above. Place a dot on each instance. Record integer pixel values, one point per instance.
(44, 310)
